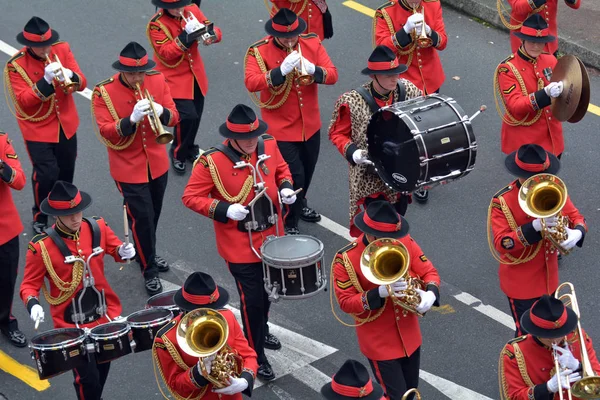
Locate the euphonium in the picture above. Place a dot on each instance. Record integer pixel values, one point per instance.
(203, 333)
(162, 136)
(544, 196)
(422, 40)
(409, 392)
(385, 261)
(303, 78)
(589, 385)
(68, 86)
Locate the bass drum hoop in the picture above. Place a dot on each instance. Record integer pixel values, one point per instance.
(60, 345)
(152, 323)
(293, 262)
(113, 335)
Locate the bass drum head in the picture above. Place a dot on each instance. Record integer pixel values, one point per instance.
(292, 251)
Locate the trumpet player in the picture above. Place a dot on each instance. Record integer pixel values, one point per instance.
(315, 12)
(172, 35)
(286, 67)
(528, 261)
(36, 80)
(129, 109)
(188, 376)
(527, 366)
(388, 335)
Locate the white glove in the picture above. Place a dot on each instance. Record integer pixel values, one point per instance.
(551, 222)
(427, 300)
(567, 377)
(397, 288)
(69, 73)
(573, 236)
(37, 313)
(427, 29)
(192, 26)
(554, 89)
(566, 360)
(412, 22)
(51, 71)
(236, 385)
(290, 62)
(237, 212)
(140, 110)
(127, 251)
(159, 109)
(287, 192)
(360, 157)
(207, 363)
(308, 66)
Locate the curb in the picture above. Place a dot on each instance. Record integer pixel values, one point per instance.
(490, 15)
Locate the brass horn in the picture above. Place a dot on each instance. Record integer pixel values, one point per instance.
(385, 261)
(544, 196)
(409, 392)
(67, 85)
(303, 78)
(162, 135)
(422, 39)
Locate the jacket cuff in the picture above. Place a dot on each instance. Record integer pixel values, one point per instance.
(530, 234)
(435, 290)
(76, 78)
(276, 76)
(402, 39)
(320, 74)
(43, 89)
(218, 211)
(31, 301)
(196, 377)
(435, 38)
(541, 99)
(541, 392)
(182, 41)
(7, 173)
(374, 301)
(582, 230)
(250, 378)
(350, 151)
(165, 118)
(125, 127)
(286, 184)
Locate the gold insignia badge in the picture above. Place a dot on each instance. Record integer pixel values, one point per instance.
(343, 285)
(423, 258)
(72, 204)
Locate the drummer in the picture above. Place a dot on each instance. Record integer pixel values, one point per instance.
(222, 192)
(73, 235)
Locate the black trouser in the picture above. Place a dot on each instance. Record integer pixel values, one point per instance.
(517, 309)
(51, 162)
(399, 375)
(255, 304)
(9, 264)
(401, 205)
(90, 379)
(190, 114)
(301, 158)
(144, 204)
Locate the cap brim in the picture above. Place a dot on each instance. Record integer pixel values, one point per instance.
(125, 68)
(536, 39)
(529, 327)
(396, 71)
(329, 394)
(188, 306)
(85, 202)
(262, 128)
(511, 165)
(301, 28)
(53, 39)
(168, 6)
(360, 224)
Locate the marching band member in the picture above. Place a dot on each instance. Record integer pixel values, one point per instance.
(45, 108)
(314, 12)
(527, 363)
(222, 193)
(352, 381)
(11, 177)
(291, 109)
(388, 335)
(522, 82)
(138, 164)
(181, 372)
(178, 58)
(73, 235)
(547, 9)
(348, 129)
(525, 255)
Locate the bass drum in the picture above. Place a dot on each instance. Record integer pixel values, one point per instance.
(421, 143)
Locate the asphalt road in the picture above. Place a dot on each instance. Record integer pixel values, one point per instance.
(461, 344)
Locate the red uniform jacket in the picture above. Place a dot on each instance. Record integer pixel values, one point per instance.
(528, 118)
(305, 9)
(522, 9)
(143, 159)
(212, 199)
(514, 238)
(292, 111)
(538, 363)
(424, 65)
(178, 60)
(12, 177)
(393, 332)
(79, 244)
(180, 370)
(42, 110)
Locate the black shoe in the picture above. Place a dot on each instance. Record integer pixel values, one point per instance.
(16, 337)
(271, 342)
(421, 195)
(309, 215)
(265, 372)
(194, 153)
(178, 166)
(153, 286)
(291, 231)
(38, 227)
(161, 263)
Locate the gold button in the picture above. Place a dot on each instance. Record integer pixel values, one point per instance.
(300, 104)
(299, 92)
(397, 318)
(144, 146)
(58, 113)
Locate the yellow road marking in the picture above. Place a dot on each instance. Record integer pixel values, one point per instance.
(369, 12)
(445, 309)
(22, 372)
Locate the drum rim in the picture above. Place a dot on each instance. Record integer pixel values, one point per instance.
(304, 296)
(67, 343)
(112, 335)
(293, 263)
(152, 323)
(160, 295)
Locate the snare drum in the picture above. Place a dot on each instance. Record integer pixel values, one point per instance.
(58, 351)
(164, 300)
(292, 266)
(421, 143)
(111, 341)
(144, 325)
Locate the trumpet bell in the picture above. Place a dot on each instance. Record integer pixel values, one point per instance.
(304, 80)
(543, 195)
(384, 261)
(164, 138)
(587, 388)
(202, 332)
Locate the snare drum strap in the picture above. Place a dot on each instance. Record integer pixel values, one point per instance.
(368, 97)
(231, 154)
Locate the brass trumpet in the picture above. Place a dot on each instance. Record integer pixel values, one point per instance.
(422, 39)
(385, 261)
(67, 85)
(409, 392)
(303, 78)
(589, 385)
(162, 135)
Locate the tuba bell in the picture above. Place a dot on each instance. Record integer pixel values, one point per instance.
(411, 391)
(543, 196)
(162, 135)
(385, 261)
(203, 333)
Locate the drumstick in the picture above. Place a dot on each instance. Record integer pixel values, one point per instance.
(295, 192)
(126, 227)
(37, 323)
(481, 109)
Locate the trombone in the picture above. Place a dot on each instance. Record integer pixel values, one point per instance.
(303, 78)
(422, 39)
(162, 135)
(589, 385)
(67, 84)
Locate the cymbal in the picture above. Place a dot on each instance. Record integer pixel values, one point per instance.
(584, 101)
(568, 71)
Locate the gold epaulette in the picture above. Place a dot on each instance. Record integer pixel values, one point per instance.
(386, 5)
(34, 240)
(202, 157)
(157, 16)
(105, 82)
(309, 35)
(517, 339)
(152, 72)
(347, 248)
(163, 331)
(59, 42)
(266, 136)
(505, 189)
(507, 59)
(15, 57)
(259, 43)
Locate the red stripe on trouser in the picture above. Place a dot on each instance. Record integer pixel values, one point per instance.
(379, 377)
(513, 309)
(79, 385)
(140, 253)
(178, 135)
(245, 315)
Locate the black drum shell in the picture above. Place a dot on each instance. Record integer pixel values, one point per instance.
(291, 278)
(55, 363)
(144, 333)
(110, 348)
